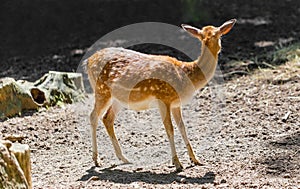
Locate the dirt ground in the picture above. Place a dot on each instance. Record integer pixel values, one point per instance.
(244, 141)
(245, 130)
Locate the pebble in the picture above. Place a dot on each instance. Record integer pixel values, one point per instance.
(77, 52)
(180, 180)
(287, 175)
(139, 169)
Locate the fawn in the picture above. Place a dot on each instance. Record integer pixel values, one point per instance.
(122, 77)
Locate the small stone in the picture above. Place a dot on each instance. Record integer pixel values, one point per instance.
(287, 128)
(77, 52)
(180, 180)
(287, 175)
(55, 57)
(93, 178)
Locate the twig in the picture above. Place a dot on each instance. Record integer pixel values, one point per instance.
(237, 72)
(15, 138)
(286, 116)
(268, 65)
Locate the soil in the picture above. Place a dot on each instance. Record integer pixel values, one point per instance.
(245, 131)
(244, 141)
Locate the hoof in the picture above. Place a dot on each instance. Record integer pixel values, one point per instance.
(179, 168)
(97, 163)
(125, 161)
(196, 162)
(177, 164)
(96, 160)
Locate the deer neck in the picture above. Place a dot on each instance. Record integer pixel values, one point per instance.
(203, 68)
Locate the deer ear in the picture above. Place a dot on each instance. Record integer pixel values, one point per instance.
(192, 30)
(226, 27)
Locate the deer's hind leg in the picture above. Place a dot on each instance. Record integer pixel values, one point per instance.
(108, 121)
(102, 102)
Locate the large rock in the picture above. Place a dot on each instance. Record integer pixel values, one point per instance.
(58, 87)
(53, 88)
(14, 98)
(22, 153)
(11, 173)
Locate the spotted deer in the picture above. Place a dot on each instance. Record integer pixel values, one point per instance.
(121, 77)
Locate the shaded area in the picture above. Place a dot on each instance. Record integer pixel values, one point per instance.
(38, 36)
(35, 28)
(285, 155)
(288, 142)
(127, 177)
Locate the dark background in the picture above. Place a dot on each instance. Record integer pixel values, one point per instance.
(32, 32)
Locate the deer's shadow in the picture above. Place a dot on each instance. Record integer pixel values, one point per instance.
(127, 177)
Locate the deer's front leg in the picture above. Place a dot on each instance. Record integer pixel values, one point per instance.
(166, 117)
(178, 119)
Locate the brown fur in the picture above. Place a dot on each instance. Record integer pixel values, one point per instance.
(121, 77)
